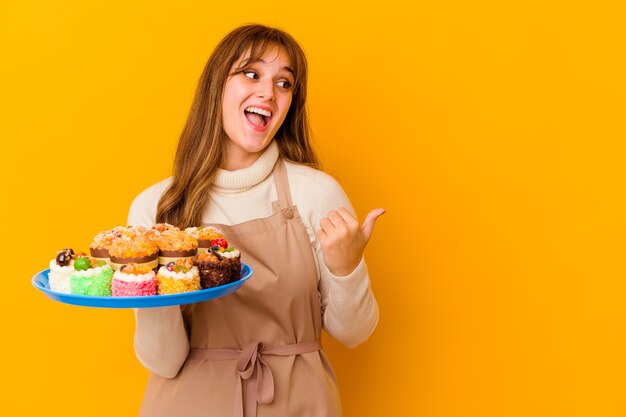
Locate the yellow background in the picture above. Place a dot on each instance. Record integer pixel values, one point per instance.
(492, 131)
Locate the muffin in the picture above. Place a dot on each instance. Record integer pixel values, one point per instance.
(90, 277)
(174, 245)
(156, 230)
(99, 247)
(60, 269)
(205, 235)
(133, 280)
(219, 266)
(138, 249)
(178, 277)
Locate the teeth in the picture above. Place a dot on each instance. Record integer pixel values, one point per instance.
(258, 111)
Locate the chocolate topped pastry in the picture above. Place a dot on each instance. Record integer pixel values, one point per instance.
(220, 265)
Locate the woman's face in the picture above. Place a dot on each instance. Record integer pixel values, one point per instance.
(256, 101)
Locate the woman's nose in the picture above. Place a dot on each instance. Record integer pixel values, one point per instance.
(265, 89)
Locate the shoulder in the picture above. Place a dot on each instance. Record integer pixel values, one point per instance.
(143, 208)
(153, 193)
(313, 179)
(317, 187)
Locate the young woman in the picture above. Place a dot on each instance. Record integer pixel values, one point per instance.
(245, 164)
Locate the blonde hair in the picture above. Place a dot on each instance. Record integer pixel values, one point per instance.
(201, 146)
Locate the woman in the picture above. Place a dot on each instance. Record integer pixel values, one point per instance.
(244, 163)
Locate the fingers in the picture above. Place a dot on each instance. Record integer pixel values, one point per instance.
(333, 229)
(336, 219)
(339, 222)
(321, 236)
(370, 220)
(342, 240)
(348, 217)
(327, 225)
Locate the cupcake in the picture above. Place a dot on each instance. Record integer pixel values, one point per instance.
(133, 280)
(102, 242)
(219, 266)
(156, 230)
(99, 247)
(91, 277)
(174, 245)
(133, 231)
(205, 235)
(138, 249)
(60, 269)
(178, 277)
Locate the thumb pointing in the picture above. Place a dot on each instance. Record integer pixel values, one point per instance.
(368, 224)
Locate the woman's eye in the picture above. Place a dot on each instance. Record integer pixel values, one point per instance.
(285, 84)
(249, 74)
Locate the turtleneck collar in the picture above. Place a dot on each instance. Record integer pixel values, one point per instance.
(243, 179)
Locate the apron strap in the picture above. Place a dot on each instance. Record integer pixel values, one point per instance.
(282, 184)
(252, 367)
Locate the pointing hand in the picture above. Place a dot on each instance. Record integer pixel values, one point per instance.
(343, 240)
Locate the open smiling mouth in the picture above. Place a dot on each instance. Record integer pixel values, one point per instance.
(258, 117)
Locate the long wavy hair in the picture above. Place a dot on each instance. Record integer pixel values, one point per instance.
(201, 147)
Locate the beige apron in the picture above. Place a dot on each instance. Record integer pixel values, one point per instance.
(256, 352)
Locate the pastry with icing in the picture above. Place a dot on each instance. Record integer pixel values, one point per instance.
(134, 280)
(178, 277)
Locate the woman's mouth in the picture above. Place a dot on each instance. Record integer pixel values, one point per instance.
(258, 118)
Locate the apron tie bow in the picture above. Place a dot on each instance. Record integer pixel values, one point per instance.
(252, 367)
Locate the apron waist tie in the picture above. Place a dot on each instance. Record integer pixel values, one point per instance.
(252, 367)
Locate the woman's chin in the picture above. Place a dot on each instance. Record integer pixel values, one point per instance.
(243, 154)
(254, 145)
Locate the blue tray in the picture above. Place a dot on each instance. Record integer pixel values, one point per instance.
(40, 281)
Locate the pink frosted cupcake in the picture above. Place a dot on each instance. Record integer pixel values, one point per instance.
(133, 280)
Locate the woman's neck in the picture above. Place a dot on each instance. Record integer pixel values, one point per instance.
(235, 180)
(235, 161)
(236, 158)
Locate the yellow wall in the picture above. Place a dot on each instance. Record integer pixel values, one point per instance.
(493, 133)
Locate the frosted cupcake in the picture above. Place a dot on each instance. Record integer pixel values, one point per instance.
(99, 248)
(60, 269)
(174, 245)
(156, 230)
(178, 277)
(137, 249)
(221, 265)
(205, 235)
(91, 277)
(133, 280)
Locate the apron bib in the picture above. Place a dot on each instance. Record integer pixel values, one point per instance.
(256, 352)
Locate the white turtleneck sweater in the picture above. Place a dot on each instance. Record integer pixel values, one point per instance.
(349, 310)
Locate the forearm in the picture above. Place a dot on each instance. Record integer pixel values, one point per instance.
(350, 312)
(161, 342)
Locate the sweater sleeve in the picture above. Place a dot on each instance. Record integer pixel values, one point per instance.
(349, 310)
(161, 341)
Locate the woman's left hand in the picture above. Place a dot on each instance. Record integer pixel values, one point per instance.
(343, 240)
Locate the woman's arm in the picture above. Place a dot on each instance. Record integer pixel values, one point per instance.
(161, 342)
(349, 309)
